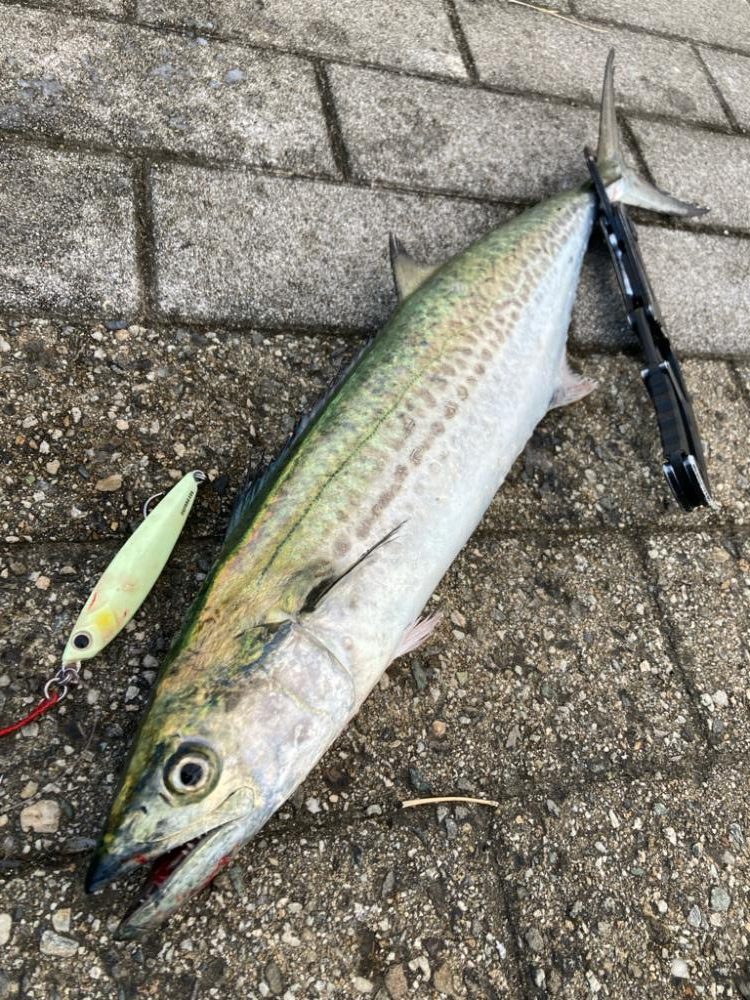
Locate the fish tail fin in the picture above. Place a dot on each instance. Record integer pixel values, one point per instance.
(622, 183)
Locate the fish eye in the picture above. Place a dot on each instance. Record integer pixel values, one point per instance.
(192, 768)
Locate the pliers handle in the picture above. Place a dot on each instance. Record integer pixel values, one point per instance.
(684, 463)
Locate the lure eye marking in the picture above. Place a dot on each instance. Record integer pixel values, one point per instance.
(81, 640)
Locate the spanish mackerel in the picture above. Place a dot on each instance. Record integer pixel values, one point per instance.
(333, 553)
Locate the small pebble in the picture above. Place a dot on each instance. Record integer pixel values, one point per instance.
(29, 789)
(55, 944)
(61, 920)
(418, 782)
(720, 899)
(41, 817)
(362, 985)
(396, 982)
(42, 583)
(274, 978)
(534, 940)
(438, 729)
(680, 969)
(110, 484)
(421, 681)
(694, 917)
(6, 923)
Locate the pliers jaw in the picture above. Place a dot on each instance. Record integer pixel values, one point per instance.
(684, 463)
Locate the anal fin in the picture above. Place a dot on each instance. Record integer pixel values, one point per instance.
(571, 386)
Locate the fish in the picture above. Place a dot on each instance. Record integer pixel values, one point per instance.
(332, 554)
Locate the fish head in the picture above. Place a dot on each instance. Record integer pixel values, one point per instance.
(182, 807)
(219, 750)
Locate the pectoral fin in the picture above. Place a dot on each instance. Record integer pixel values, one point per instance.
(571, 386)
(417, 634)
(407, 272)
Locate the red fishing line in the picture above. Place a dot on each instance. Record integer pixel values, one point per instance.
(44, 706)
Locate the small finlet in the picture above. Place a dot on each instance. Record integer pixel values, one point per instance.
(571, 386)
(408, 274)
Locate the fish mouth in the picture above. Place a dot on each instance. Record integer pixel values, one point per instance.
(177, 872)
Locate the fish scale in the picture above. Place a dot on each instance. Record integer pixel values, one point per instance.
(332, 556)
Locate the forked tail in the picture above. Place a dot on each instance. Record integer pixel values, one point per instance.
(622, 184)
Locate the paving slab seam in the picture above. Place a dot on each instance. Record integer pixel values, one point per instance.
(742, 386)
(636, 29)
(502, 857)
(221, 325)
(667, 629)
(718, 94)
(698, 228)
(158, 158)
(315, 57)
(144, 230)
(462, 43)
(333, 125)
(638, 532)
(632, 142)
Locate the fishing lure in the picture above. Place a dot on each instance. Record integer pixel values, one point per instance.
(121, 589)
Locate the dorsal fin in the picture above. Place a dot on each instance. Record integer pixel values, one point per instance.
(407, 272)
(258, 482)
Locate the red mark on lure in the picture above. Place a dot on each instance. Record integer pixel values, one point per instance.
(94, 598)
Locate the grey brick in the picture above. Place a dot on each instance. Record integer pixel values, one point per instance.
(725, 22)
(68, 233)
(702, 167)
(437, 135)
(413, 36)
(703, 286)
(134, 88)
(701, 282)
(275, 251)
(518, 48)
(732, 74)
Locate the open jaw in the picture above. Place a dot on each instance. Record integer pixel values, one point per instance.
(179, 873)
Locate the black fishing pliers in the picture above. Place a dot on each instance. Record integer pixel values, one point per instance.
(684, 463)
